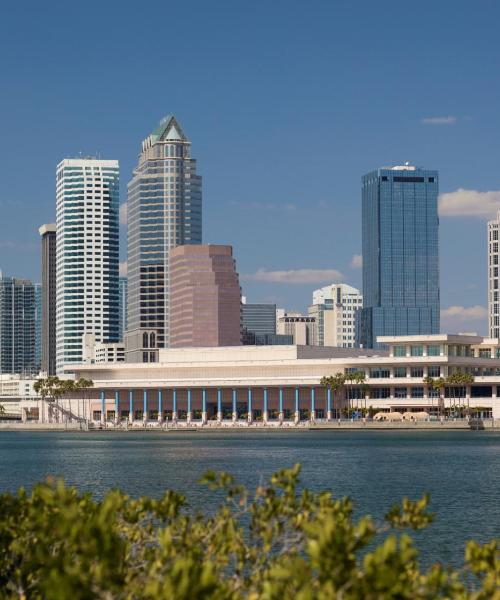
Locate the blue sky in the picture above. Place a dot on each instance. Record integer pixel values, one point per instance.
(287, 105)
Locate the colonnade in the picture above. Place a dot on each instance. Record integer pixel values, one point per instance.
(302, 398)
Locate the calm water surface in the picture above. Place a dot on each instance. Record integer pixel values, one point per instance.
(461, 470)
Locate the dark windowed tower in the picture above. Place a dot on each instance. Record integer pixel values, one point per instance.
(17, 326)
(48, 308)
(400, 253)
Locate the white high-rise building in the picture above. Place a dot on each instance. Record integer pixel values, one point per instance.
(87, 247)
(336, 309)
(493, 279)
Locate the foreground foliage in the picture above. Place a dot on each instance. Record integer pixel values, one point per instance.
(275, 543)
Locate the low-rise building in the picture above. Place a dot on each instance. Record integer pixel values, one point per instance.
(302, 328)
(283, 383)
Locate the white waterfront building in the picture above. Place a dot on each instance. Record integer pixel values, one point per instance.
(336, 308)
(87, 247)
(281, 385)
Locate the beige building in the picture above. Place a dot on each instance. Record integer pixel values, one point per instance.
(336, 309)
(301, 327)
(205, 297)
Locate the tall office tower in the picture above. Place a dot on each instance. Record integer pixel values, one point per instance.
(205, 297)
(48, 311)
(337, 310)
(302, 328)
(164, 211)
(86, 255)
(17, 326)
(493, 279)
(400, 253)
(123, 287)
(38, 326)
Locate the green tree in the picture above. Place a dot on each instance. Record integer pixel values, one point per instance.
(336, 383)
(276, 543)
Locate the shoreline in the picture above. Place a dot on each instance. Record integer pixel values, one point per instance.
(482, 425)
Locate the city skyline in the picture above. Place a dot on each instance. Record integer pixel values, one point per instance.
(239, 105)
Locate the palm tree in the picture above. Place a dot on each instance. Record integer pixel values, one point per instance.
(2, 410)
(83, 385)
(335, 383)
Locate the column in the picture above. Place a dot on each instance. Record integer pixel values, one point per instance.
(204, 406)
(250, 416)
(174, 406)
(297, 406)
(117, 407)
(144, 406)
(467, 398)
(160, 406)
(313, 405)
(281, 412)
(219, 405)
(235, 408)
(329, 403)
(189, 411)
(103, 407)
(265, 412)
(131, 406)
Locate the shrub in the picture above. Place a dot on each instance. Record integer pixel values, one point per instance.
(274, 544)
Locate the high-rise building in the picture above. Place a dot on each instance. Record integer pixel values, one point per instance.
(86, 255)
(205, 297)
(400, 253)
(302, 328)
(17, 326)
(164, 211)
(337, 310)
(493, 278)
(38, 326)
(259, 318)
(48, 300)
(123, 287)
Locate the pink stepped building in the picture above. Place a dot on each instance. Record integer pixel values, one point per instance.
(205, 297)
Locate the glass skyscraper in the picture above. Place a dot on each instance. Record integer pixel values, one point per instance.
(164, 211)
(122, 327)
(17, 326)
(87, 248)
(400, 253)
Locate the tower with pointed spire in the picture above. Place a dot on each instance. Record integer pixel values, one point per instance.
(164, 211)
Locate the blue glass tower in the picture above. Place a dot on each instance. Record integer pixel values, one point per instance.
(400, 253)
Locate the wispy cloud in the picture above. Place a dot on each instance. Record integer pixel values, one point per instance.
(457, 318)
(295, 276)
(123, 214)
(469, 203)
(123, 269)
(18, 246)
(266, 206)
(356, 261)
(449, 120)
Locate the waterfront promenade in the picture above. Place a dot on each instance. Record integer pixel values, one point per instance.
(286, 426)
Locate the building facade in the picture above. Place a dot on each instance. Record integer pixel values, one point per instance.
(337, 309)
(205, 297)
(259, 319)
(17, 326)
(87, 249)
(164, 211)
(283, 384)
(400, 253)
(493, 278)
(48, 314)
(123, 291)
(302, 328)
